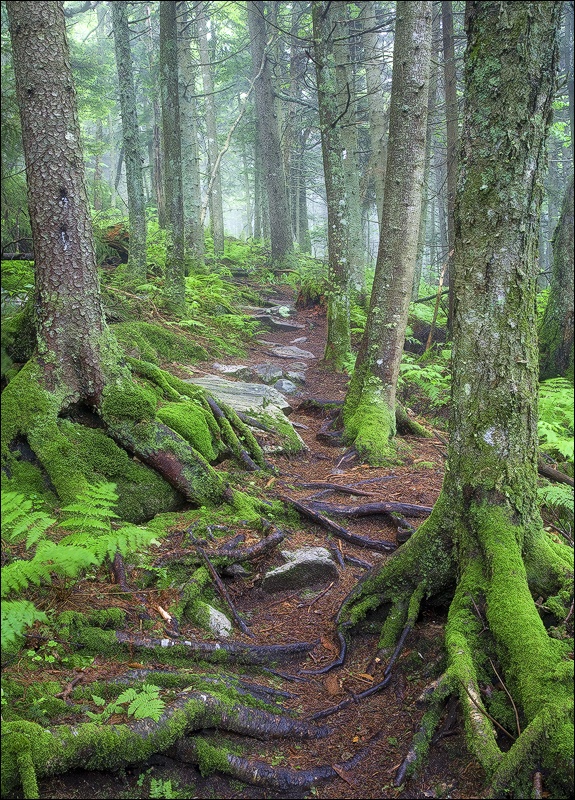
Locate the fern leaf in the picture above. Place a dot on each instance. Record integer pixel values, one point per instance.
(17, 615)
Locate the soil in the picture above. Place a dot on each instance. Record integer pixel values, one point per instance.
(383, 723)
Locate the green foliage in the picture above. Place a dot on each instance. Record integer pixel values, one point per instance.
(431, 377)
(555, 424)
(17, 283)
(143, 704)
(93, 539)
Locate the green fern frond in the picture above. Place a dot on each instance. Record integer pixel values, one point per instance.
(19, 520)
(17, 615)
(557, 496)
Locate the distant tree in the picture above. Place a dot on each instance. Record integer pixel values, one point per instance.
(206, 36)
(174, 289)
(370, 405)
(452, 133)
(137, 260)
(269, 136)
(338, 344)
(484, 541)
(556, 331)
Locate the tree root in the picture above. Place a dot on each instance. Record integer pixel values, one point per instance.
(223, 591)
(235, 652)
(258, 773)
(381, 546)
(31, 752)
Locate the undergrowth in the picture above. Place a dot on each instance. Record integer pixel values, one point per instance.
(35, 551)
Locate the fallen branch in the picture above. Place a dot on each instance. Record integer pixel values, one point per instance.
(223, 591)
(337, 487)
(553, 474)
(371, 509)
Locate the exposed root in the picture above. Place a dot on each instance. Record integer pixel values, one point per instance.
(223, 591)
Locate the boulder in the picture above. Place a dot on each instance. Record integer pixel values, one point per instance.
(296, 377)
(233, 370)
(267, 372)
(242, 396)
(275, 324)
(305, 567)
(285, 386)
(208, 617)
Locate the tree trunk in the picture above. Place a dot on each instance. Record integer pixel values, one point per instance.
(369, 409)
(268, 137)
(338, 346)
(137, 259)
(485, 533)
(191, 184)
(556, 333)
(451, 115)
(174, 289)
(215, 198)
(156, 161)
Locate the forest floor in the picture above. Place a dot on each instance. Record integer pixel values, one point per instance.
(383, 723)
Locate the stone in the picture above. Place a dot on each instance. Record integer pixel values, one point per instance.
(304, 567)
(242, 396)
(233, 370)
(291, 351)
(299, 340)
(275, 324)
(267, 372)
(285, 387)
(299, 365)
(208, 617)
(296, 377)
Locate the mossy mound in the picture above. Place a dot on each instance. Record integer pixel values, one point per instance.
(154, 343)
(189, 420)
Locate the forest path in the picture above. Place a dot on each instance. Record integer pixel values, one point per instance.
(382, 724)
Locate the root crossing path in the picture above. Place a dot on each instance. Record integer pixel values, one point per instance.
(371, 714)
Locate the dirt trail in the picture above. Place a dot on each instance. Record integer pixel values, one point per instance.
(383, 723)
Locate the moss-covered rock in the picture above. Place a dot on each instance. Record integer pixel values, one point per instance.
(154, 343)
(189, 420)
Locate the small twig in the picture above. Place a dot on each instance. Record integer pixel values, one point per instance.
(320, 595)
(485, 714)
(569, 614)
(223, 591)
(355, 698)
(538, 785)
(508, 695)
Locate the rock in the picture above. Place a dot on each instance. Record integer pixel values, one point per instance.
(299, 365)
(283, 311)
(304, 567)
(289, 439)
(285, 387)
(268, 372)
(291, 351)
(235, 571)
(296, 377)
(242, 396)
(299, 340)
(233, 370)
(274, 324)
(208, 617)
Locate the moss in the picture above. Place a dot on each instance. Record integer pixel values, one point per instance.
(290, 441)
(18, 336)
(142, 492)
(128, 401)
(210, 758)
(189, 420)
(369, 424)
(154, 343)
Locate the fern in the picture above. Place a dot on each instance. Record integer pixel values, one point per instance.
(555, 425)
(558, 497)
(143, 704)
(17, 615)
(19, 520)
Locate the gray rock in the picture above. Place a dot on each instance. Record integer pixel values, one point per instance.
(285, 387)
(299, 340)
(299, 365)
(296, 377)
(282, 311)
(242, 396)
(291, 351)
(275, 324)
(233, 370)
(208, 617)
(268, 372)
(304, 567)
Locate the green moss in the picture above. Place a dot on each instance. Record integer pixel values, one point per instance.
(210, 758)
(369, 424)
(128, 401)
(189, 420)
(154, 343)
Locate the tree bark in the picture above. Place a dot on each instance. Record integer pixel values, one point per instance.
(556, 332)
(137, 259)
(338, 345)
(369, 409)
(451, 116)
(174, 289)
(215, 198)
(268, 137)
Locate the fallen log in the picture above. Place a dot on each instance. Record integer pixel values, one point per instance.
(371, 509)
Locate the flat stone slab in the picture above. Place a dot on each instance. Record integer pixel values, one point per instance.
(268, 372)
(233, 370)
(304, 567)
(291, 351)
(242, 396)
(285, 386)
(275, 324)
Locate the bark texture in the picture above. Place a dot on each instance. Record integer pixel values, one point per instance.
(369, 410)
(136, 269)
(269, 136)
(338, 345)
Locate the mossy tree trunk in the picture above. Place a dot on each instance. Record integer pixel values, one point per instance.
(326, 16)
(556, 332)
(136, 269)
(485, 535)
(369, 409)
